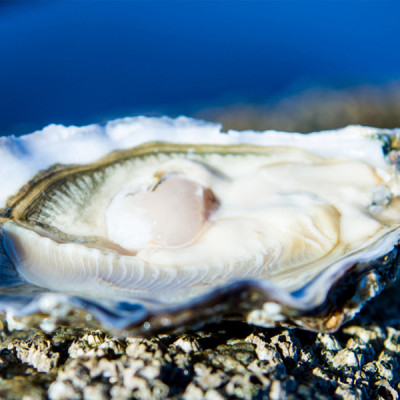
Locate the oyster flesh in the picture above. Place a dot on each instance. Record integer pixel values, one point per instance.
(153, 223)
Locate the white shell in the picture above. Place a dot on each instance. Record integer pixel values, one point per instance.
(154, 287)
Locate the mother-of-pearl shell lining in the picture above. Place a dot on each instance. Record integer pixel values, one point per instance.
(283, 213)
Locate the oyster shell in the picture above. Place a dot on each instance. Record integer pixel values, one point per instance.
(181, 223)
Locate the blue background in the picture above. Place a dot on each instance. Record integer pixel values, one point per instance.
(85, 61)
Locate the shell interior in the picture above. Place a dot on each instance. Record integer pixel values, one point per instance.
(163, 228)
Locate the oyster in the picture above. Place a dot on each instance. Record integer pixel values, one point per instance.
(180, 223)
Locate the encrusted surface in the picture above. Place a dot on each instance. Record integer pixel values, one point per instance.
(229, 360)
(226, 360)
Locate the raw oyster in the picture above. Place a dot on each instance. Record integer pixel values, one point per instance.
(180, 223)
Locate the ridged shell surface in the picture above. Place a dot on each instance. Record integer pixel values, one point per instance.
(158, 223)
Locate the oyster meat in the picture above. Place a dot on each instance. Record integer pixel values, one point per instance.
(180, 223)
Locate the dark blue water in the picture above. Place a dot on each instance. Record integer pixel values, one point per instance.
(86, 61)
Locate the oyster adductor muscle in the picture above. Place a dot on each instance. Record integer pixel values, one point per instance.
(196, 223)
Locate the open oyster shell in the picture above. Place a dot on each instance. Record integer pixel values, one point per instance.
(149, 224)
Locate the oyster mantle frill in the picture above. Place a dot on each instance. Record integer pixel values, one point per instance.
(155, 222)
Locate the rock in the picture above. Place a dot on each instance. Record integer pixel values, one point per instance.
(231, 359)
